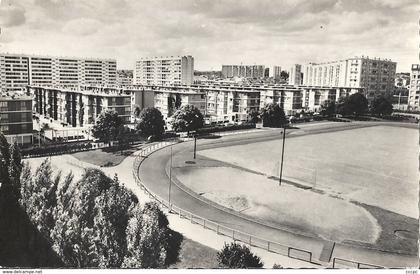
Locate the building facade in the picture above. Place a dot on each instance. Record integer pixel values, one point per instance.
(164, 71)
(243, 71)
(79, 108)
(295, 75)
(414, 91)
(376, 76)
(19, 70)
(16, 118)
(276, 72)
(124, 78)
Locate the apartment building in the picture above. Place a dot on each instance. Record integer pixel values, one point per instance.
(276, 72)
(19, 70)
(414, 91)
(16, 118)
(124, 78)
(243, 71)
(80, 107)
(230, 103)
(375, 75)
(295, 75)
(168, 99)
(164, 71)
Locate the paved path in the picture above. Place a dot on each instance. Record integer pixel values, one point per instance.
(152, 173)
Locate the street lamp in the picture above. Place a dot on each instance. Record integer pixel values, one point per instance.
(282, 154)
(195, 145)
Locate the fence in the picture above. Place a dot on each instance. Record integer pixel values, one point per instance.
(343, 263)
(236, 235)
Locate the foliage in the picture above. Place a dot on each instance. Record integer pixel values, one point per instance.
(254, 116)
(273, 115)
(381, 106)
(221, 128)
(150, 242)
(355, 104)
(136, 110)
(187, 118)
(236, 256)
(107, 126)
(56, 149)
(277, 266)
(151, 122)
(328, 108)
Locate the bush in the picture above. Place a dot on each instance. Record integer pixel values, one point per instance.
(207, 130)
(56, 149)
(237, 256)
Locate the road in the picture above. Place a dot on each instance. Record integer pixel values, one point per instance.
(153, 174)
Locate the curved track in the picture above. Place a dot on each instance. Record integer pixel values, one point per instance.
(153, 175)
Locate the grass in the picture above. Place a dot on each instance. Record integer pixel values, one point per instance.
(105, 157)
(391, 222)
(196, 255)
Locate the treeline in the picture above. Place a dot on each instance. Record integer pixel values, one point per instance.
(91, 222)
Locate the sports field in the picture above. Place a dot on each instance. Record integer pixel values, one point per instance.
(374, 165)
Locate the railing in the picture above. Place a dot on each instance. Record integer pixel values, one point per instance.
(236, 235)
(343, 263)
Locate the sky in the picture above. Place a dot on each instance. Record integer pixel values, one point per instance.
(214, 32)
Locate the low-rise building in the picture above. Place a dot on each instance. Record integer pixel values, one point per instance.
(80, 107)
(16, 118)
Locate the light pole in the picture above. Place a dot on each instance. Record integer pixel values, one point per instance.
(282, 155)
(195, 145)
(170, 182)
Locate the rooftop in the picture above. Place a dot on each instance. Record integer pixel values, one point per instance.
(14, 97)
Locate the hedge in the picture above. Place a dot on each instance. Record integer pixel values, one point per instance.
(206, 130)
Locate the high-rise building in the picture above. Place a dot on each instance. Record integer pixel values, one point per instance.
(295, 75)
(124, 78)
(20, 70)
(413, 97)
(376, 76)
(245, 71)
(164, 71)
(16, 118)
(276, 72)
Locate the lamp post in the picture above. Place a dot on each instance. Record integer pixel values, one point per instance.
(282, 154)
(195, 145)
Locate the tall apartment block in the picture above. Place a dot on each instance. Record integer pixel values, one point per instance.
(276, 72)
(295, 75)
(124, 78)
(16, 118)
(245, 71)
(19, 70)
(164, 71)
(375, 75)
(80, 107)
(414, 91)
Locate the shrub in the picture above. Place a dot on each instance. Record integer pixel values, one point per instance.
(237, 256)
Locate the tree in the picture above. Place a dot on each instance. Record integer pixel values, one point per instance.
(284, 75)
(355, 104)
(150, 242)
(328, 108)
(136, 111)
(92, 219)
(254, 116)
(236, 256)
(187, 118)
(273, 115)
(151, 122)
(381, 106)
(42, 199)
(107, 126)
(15, 169)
